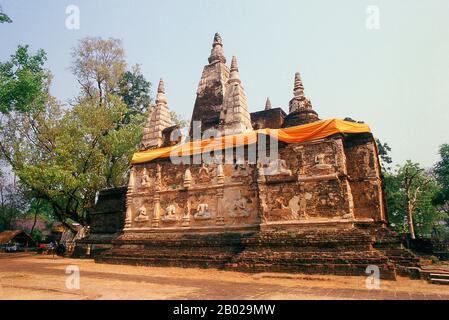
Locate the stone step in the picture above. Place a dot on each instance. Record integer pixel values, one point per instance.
(439, 276)
(439, 281)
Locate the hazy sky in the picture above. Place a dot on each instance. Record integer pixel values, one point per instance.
(395, 78)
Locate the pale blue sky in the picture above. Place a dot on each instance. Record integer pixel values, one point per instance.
(395, 78)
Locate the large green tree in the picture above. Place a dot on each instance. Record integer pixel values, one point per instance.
(410, 191)
(63, 156)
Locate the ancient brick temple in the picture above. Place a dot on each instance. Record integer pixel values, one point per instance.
(316, 208)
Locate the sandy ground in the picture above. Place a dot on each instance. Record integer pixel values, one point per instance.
(31, 276)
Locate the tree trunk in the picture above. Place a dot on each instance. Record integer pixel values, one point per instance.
(34, 223)
(411, 229)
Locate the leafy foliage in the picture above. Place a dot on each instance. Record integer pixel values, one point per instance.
(4, 17)
(134, 89)
(411, 188)
(23, 81)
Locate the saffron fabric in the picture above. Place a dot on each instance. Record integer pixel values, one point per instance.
(307, 132)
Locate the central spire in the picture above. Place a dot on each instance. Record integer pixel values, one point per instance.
(217, 53)
(210, 92)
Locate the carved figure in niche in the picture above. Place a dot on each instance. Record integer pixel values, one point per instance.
(204, 173)
(170, 214)
(239, 207)
(202, 212)
(142, 214)
(145, 180)
(365, 155)
(240, 168)
(281, 211)
(278, 167)
(320, 164)
(186, 216)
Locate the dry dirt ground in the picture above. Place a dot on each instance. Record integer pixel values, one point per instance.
(31, 276)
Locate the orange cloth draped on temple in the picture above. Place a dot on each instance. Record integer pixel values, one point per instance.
(308, 132)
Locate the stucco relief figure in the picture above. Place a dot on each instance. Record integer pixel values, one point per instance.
(170, 214)
(204, 173)
(320, 162)
(141, 214)
(366, 160)
(239, 208)
(240, 169)
(281, 211)
(277, 167)
(202, 212)
(145, 180)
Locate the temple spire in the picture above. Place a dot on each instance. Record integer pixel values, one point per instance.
(299, 101)
(300, 108)
(158, 120)
(235, 76)
(234, 116)
(210, 92)
(268, 104)
(217, 53)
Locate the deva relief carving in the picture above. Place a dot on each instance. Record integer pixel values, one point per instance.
(320, 163)
(145, 180)
(202, 212)
(277, 167)
(281, 211)
(141, 214)
(204, 174)
(170, 214)
(238, 208)
(241, 169)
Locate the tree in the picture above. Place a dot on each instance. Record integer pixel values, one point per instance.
(23, 81)
(134, 89)
(441, 171)
(409, 192)
(65, 156)
(12, 202)
(385, 159)
(3, 17)
(99, 65)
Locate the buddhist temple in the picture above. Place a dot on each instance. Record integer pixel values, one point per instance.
(314, 205)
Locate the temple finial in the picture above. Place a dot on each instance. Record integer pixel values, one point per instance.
(161, 86)
(216, 53)
(298, 88)
(160, 98)
(217, 40)
(268, 104)
(234, 65)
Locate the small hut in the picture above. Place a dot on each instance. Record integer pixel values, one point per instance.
(19, 237)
